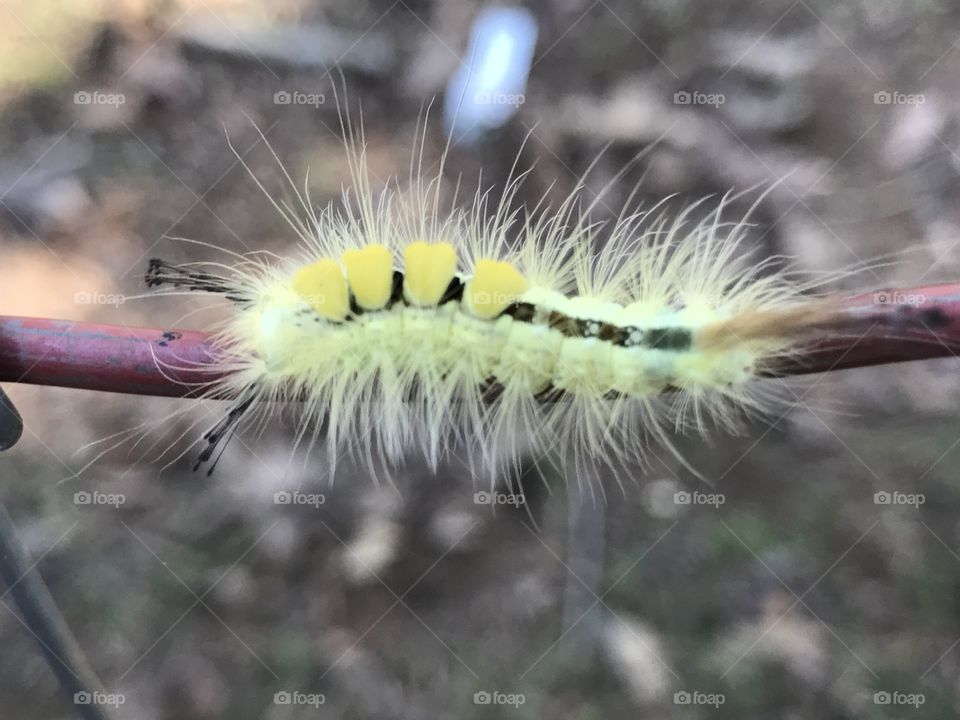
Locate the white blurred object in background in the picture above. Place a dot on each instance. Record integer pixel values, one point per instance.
(487, 91)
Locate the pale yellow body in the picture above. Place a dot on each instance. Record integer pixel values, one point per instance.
(411, 371)
(292, 343)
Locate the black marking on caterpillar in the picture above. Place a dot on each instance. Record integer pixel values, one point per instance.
(666, 338)
(355, 309)
(673, 339)
(396, 290)
(454, 292)
(521, 311)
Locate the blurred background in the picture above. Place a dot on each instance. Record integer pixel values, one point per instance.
(817, 575)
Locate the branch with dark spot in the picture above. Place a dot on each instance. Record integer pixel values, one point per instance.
(112, 358)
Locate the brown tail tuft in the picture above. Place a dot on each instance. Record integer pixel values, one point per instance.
(766, 324)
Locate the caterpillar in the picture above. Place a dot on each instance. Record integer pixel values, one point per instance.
(492, 331)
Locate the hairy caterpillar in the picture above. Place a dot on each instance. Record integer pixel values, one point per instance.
(401, 327)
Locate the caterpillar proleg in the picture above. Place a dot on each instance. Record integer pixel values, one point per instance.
(401, 327)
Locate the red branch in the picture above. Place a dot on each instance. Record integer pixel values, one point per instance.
(887, 326)
(880, 327)
(113, 358)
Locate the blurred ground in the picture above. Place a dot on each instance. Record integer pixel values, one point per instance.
(801, 595)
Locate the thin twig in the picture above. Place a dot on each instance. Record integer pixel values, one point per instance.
(41, 617)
